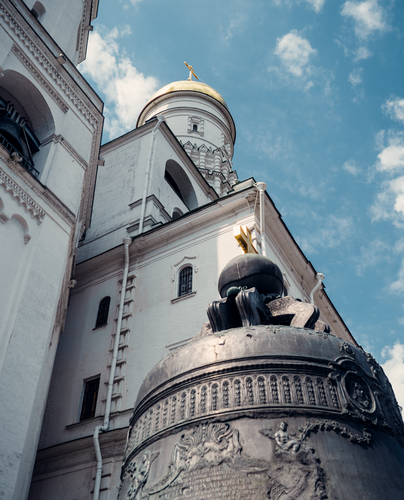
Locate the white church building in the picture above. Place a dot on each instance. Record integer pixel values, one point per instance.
(110, 255)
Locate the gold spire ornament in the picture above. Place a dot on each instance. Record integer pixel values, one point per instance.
(191, 71)
(244, 239)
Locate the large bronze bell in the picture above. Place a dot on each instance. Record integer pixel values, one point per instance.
(11, 131)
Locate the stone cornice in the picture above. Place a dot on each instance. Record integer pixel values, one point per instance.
(84, 28)
(21, 197)
(39, 77)
(59, 139)
(47, 196)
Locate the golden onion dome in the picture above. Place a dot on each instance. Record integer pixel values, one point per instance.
(181, 86)
(191, 86)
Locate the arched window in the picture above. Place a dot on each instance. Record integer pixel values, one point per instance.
(180, 183)
(103, 309)
(176, 213)
(185, 281)
(25, 121)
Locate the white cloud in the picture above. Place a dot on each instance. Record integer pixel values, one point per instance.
(351, 167)
(368, 17)
(362, 53)
(398, 285)
(394, 107)
(392, 156)
(317, 5)
(394, 369)
(294, 52)
(355, 77)
(371, 254)
(234, 26)
(126, 90)
(330, 233)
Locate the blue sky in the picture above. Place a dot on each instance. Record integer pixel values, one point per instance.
(316, 90)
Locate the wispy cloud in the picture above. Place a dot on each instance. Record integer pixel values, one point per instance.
(331, 233)
(370, 255)
(368, 17)
(394, 369)
(126, 89)
(351, 167)
(394, 107)
(398, 285)
(234, 26)
(362, 53)
(317, 5)
(355, 77)
(294, 52)
(392, 156)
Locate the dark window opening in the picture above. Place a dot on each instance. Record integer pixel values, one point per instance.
(103, 309)
(17, 137)
(185, 281)
(176, 214)
(173, 184)
(195, 127)
(90, 399)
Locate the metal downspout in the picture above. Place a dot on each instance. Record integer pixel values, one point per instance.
(102, 428)
(160, 119)
(319, 278)
(261, 186)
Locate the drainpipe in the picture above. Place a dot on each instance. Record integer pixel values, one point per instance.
(261, 186)
(319, 278)
(102, 428)
(160, 119)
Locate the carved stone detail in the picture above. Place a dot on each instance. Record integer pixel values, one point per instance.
(38, 76)
(42, 54)
(241, 393)
(296, 472)
(347, 350)
(21, 197)
(139, 473)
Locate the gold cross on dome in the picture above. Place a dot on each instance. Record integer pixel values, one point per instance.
(244, 239)
(191, 71)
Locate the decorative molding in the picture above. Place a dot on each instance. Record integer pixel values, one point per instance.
(192, 261)
(48, 61)
(89, 180)
(238, 392)
(327, 425)
(38, 188)
(38, 76)
(196, 120)
(21, 197)
(59, 139)
(83, 29)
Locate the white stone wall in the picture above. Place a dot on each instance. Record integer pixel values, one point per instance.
(68, 23)
(38, 220)
(121, 182)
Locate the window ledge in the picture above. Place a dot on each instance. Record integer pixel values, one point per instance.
(101, 326)
(183, 297)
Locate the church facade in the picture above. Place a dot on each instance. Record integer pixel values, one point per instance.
(129, 238)
(170, 187)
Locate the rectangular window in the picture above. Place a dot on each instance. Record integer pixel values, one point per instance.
(90, 399)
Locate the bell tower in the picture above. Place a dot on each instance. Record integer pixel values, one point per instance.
(200, 119)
